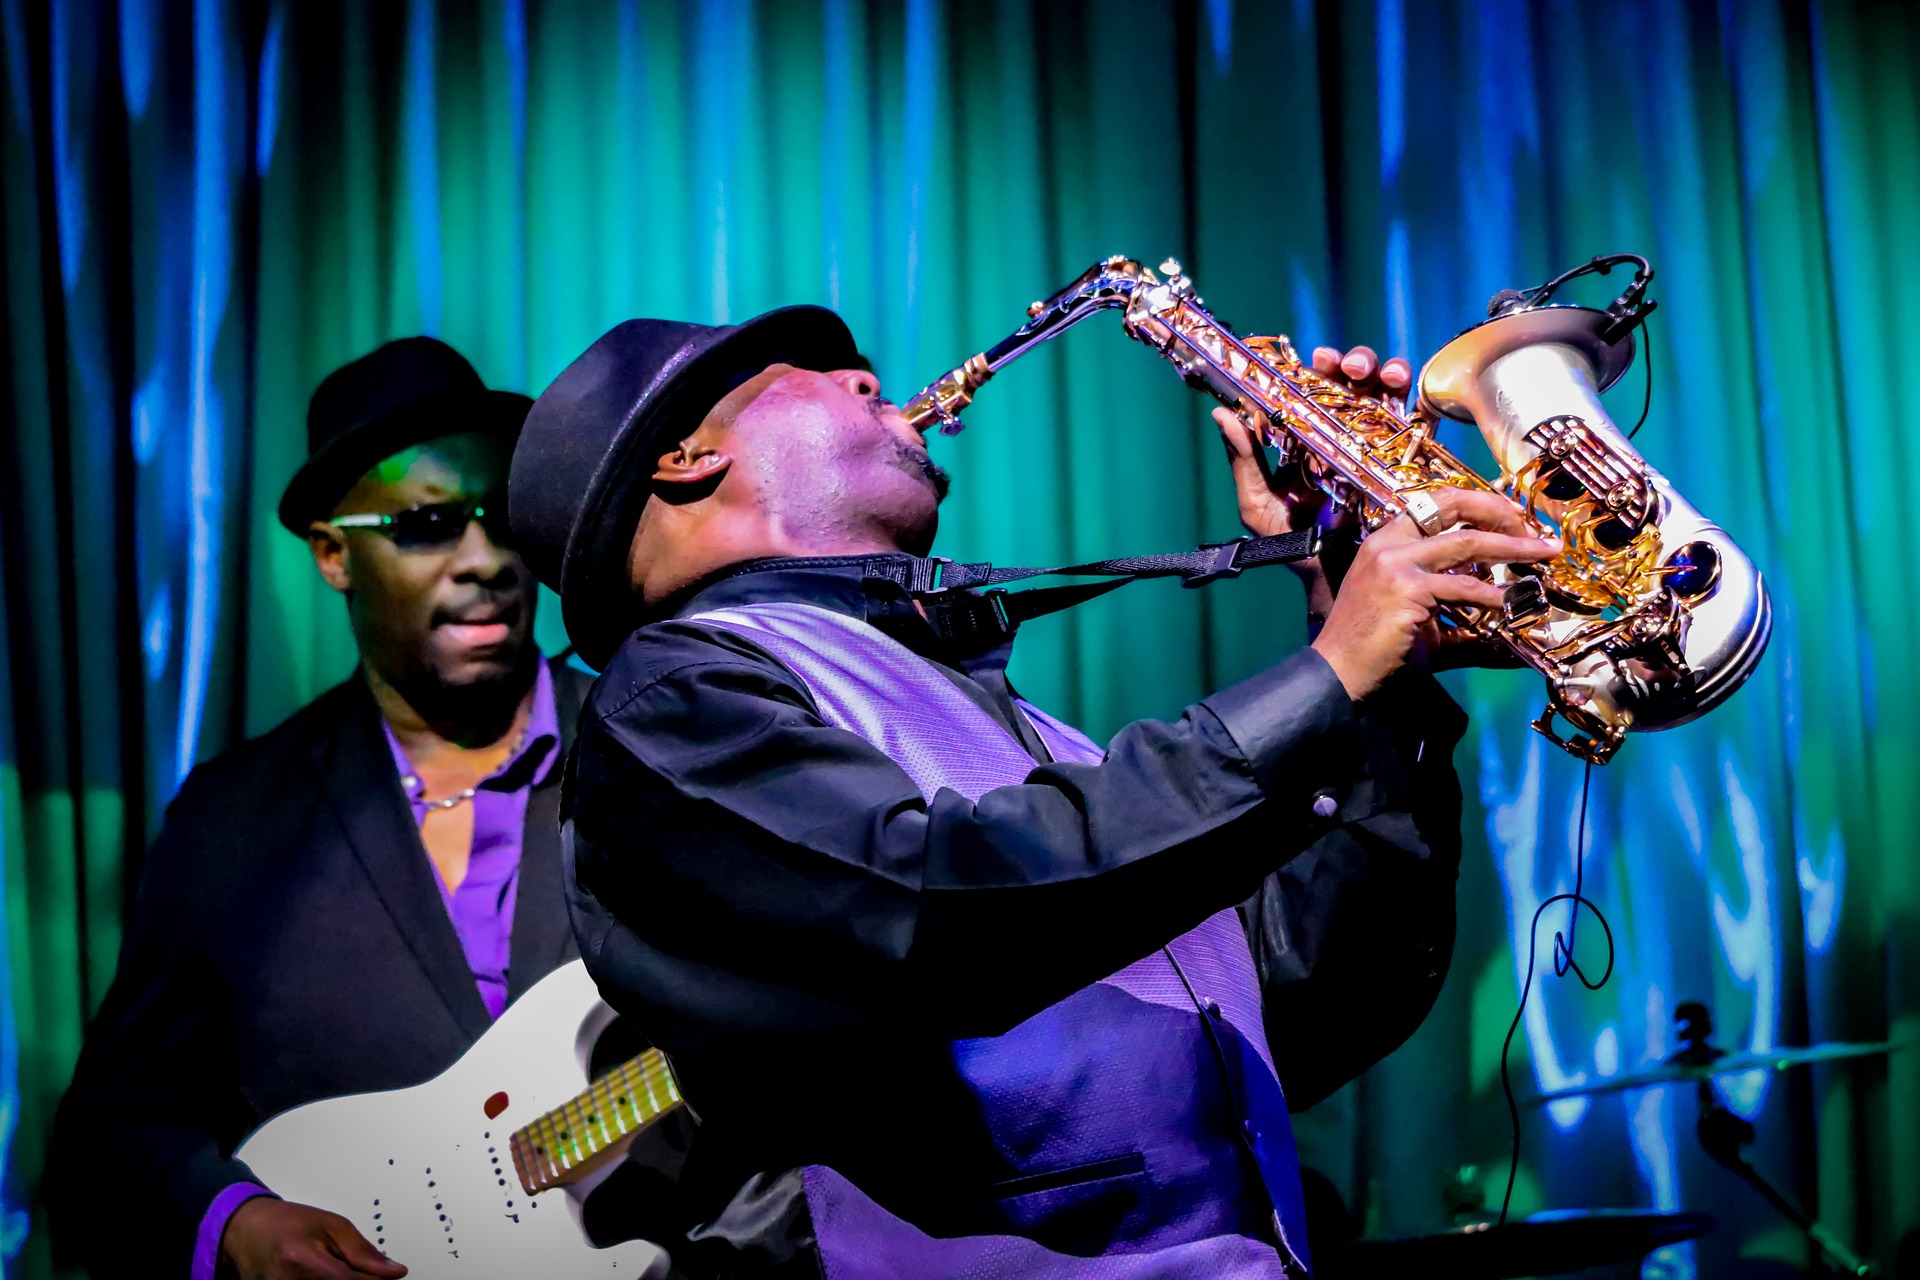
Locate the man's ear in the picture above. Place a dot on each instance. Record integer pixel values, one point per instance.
(329, 550)
(694, 466)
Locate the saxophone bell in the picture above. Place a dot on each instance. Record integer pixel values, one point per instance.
(1530, 380)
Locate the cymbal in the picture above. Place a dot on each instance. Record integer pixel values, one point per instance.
(1543, 1244)
(1677, 1070)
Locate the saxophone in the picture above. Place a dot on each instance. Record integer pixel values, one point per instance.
(1649, 618)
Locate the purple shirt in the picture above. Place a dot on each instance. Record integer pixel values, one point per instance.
(481, 908)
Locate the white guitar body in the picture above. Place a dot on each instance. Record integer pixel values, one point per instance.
(425, 1173)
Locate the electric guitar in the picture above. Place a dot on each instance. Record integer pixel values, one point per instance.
(480, 1171)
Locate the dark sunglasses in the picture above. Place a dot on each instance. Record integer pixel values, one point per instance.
(433, 526)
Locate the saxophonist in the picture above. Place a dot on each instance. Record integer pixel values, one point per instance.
(955, 990)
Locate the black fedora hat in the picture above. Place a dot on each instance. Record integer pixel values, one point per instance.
(583, 468)
(404, 393)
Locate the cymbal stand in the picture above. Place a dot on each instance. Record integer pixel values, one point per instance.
(1724, 1136)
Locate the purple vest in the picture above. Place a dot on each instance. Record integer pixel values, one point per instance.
(1141, 1118)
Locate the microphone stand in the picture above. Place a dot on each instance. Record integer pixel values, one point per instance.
(1724, 1136)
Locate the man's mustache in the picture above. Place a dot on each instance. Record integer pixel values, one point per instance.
(938, 477)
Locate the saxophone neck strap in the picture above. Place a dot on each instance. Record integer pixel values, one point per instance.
(962, 613)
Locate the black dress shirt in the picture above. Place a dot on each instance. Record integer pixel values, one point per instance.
(774, 901)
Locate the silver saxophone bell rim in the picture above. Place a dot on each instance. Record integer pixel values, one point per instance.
(1448, 383)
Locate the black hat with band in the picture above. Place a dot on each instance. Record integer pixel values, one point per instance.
(403, 394)
(583, 468)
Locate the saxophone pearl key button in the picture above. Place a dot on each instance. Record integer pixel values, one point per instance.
(1325, 806)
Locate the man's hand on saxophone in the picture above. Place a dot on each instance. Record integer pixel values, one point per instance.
(1280, 501)
(1364, 371)
(1383, 616)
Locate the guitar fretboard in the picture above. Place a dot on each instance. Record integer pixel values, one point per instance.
(560, 1145)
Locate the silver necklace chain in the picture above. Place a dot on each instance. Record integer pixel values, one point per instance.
(452, 800)
(461, 797)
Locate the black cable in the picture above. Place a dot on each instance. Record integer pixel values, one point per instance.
(1643, 273)
(1563, 962)
(1646, 341)
(1563, 947)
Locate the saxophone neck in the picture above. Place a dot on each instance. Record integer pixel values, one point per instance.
(1105, 286)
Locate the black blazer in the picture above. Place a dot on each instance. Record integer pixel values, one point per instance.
(288, 943)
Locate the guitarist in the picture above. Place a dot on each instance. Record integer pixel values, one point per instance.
(955, 991)
(346, 903)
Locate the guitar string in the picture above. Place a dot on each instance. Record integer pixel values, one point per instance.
(602, 1090)
(604, 1104)
(647, 1070)
(576, 1120)
(627, 1110)
(633, 1073)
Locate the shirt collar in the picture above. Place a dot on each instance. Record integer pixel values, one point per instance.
(528, 766)
(844, 584)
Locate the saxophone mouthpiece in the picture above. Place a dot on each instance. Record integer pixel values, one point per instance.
(941, 401)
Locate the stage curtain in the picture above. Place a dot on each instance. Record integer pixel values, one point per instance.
(209, 205)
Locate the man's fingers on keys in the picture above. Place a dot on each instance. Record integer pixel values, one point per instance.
(1396, 375)
(1459, 547)
(1464, 588)
(1481, 508)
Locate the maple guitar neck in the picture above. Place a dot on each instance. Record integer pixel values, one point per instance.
(596, 1126)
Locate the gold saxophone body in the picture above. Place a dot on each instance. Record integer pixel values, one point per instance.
(1650, 617)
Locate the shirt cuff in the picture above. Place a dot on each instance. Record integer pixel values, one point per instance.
(1294, 716)
(213, 1225)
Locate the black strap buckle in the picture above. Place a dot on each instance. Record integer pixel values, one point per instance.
(925, 575)
(1225, 563)
(962, 617)
(1230, 559)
